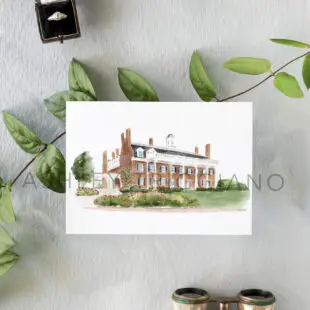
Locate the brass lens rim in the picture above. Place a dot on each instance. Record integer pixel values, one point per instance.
(179, 296)
(262, 298)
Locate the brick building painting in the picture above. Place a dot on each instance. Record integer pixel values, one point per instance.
(159, 166)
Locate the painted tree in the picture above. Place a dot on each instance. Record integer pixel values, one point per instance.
(127, 177)
(83, 169)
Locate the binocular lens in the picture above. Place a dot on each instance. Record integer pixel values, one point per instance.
(254, 299)
(190, 299)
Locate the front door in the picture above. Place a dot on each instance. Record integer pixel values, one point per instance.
(189, 184)
(117, 183)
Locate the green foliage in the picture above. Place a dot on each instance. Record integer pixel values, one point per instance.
(200, 79)
(6, 242)
(125, 189)
(82, 168)
(127, 177)
(203, 189)
(284, 82)
(56, 104)
(291, 43)
(230, 184)
(81, 89)
(288, 85)
(135, 87)
(169, 190)
(135, 189)
(146, 200)
(85, 191)
(144, 190)
(79, 80)
(306, 71)
(50, 169)
(7, 258)
(22, 135)
(7, 261)
(6, 207)
(248, 65)
(243, 187)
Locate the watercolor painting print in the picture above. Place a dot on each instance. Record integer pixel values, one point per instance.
(159, 168)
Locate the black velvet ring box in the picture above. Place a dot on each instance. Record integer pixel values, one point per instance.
(57, 30)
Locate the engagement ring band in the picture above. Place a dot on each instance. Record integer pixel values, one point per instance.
(57, 16)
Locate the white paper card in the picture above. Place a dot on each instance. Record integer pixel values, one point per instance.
(159, 168)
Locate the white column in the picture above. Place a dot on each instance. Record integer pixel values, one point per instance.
(155, 176)
(184, 185)
(170, 175)
(147, 175)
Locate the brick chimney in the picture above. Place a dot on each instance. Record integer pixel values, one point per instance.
(208, 150)
(196, 150)
(105, 162)
(151, 142)
(117, 152)
(128, 137)
(113, 155)
(126, 142)
(123, 143)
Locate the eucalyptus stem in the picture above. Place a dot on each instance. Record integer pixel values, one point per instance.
(35, 157)
(265, 79)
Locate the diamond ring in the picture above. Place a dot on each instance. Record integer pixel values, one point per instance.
(57, 16)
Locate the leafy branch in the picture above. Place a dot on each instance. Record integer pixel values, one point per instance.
(266, 79)
(49, 163)
(136, 88)
(35, 157)
(284, 82)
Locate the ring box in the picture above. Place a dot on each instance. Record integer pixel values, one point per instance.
(57, 30)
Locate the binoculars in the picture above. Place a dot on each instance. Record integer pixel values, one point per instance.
(199, 299)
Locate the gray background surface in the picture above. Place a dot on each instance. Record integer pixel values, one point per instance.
(156, 38)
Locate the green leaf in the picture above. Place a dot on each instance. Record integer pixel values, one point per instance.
(57, 103)
(200, 79)
(306, 71)
(288, 85)
(135, 87)
(50, 169)
(79, 80)
(6, 242)
(291, 43)
(22, 135)
(7, 261)
(6, 207)
(248, 65)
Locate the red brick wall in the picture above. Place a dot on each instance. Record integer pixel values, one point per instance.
(160, 175)
(137, 174)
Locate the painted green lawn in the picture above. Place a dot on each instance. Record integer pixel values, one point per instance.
(185, 199)
(218, 199)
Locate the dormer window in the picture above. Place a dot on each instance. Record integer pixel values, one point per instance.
(140, 152)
